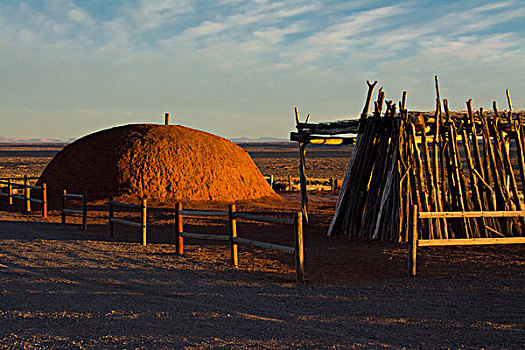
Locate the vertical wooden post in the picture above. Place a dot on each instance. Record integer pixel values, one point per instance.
(44, 200)
(302, 170)
(110, 212)
(290, 183)
(412, 243)
(179, 225)
(144, 218)
(10, 191)
(166, 119)
(271, 181)
(63, 206)
(27, 194)
(233, 235)
(299, 254)
(84, 211)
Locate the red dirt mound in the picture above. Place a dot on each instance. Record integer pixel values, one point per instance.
(156, 161)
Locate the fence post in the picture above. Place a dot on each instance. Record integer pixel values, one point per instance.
(299, 254)
(233, 235)
(63, 206)
(290, 183)
(27, 194)
(412, 243)
(10, 191)
(144, 217)
(110, 214)
(166, 119)
(179, 227)
(271, 181)
(44, 200)
(84, 211)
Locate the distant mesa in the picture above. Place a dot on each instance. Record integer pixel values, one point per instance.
(156, 161)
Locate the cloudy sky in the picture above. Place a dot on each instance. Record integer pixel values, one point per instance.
(238, 68)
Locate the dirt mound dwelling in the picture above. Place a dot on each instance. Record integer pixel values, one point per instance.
(156, 161)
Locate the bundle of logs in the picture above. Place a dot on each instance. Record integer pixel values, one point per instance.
(441, 161)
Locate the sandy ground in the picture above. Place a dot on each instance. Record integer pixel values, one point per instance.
(64, 288)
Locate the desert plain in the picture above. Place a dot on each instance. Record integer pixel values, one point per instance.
(61, 287)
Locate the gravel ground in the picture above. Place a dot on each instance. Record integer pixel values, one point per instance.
(61, 288)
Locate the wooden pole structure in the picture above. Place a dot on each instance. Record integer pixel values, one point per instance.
(412, 243)
(63, 201)
(110, 214)
(233, 234)
(299, 253)
(10, 191)
(290, 183)
(302, 170)
(27, 194)
(166, 119)
(179, 225)
(271, 181)
(144, 219)
(84, 211)
(44, 200)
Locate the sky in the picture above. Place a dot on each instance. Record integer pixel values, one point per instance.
(238, 68)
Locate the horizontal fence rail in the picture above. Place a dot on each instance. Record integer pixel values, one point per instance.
(414, 242)
(26, 197)
(83, 212)
(143, 216)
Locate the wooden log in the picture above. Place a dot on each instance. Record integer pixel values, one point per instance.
(453, 169)
(10, 191)
(435, 156)
(205, 236)
(27, 194)
(298, 251)
(44, 200)
(520, 154)
(302, 171)
(368, 98)
(110, 214)
(179, 227)
(413, 240)
(63, 206)
(420, 176)
(430, 184)
(189, 212)
(84, 211)
(472, 214)
(264, 245)
(473, 181)
(234, 259)
(126, 222)
(144, 218)
(471, 241)
(260, 218)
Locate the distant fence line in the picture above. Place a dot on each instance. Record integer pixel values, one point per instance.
(291, 183)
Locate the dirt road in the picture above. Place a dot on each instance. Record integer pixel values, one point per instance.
(61, 288)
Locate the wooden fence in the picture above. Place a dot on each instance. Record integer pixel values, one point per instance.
(11, 184)
(297, 223)
(414, 242)
(234, 240)
(143, 217)
(83, 212)
(179, 224)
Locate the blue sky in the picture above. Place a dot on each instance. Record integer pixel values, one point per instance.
(238, 68)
